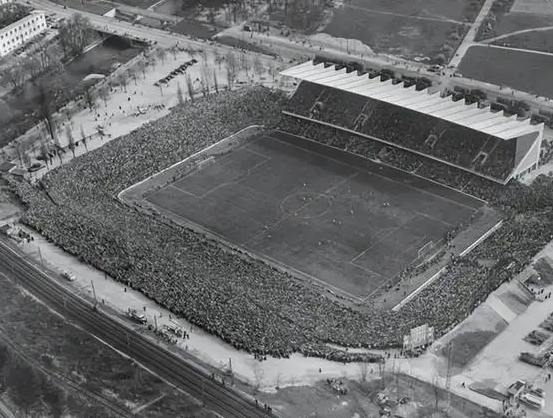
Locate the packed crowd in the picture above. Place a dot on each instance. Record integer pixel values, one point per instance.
(415, 131)
(245, 302)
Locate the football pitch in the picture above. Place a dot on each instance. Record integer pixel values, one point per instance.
(322, 213)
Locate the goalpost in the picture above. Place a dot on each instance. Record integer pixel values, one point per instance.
(426, 249)
(204, 163)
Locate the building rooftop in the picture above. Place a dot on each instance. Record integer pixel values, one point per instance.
(469, 116)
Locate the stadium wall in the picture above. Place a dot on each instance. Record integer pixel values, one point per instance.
(392, 144)
(531, 160)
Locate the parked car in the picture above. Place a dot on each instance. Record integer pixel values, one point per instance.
(70, 277)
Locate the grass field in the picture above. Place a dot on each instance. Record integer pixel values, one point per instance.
(455, 10)
(51, 346)
(533, 7)
(512, 22)
(535, 41)
(519, 70)
(316, 209)
(397, 35)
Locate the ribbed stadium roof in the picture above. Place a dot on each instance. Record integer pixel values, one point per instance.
(483, 120)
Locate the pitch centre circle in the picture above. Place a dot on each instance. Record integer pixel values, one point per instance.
(305, 205)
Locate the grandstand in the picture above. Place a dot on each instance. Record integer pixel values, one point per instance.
(490, 145)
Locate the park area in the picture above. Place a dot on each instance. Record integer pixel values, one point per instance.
(64, 86)
(318, 212)
(519, 70)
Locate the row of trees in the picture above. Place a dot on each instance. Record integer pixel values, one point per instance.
(54, 123)
(75, 34)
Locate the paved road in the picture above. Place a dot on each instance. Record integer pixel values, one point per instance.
(118, 27)
(221, 399)
(471, 34)
(5, 411)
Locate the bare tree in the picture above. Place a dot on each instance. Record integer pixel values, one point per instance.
(161, 54)
(272, 70)
(133, 73)
(13, 75)
(190, 86)
(151, 61)
(245, 63)
(32, 66)
(70, 139)
(83, 138)
(44, 100)
(231, 77)
(180, 96)
(215, 81)
(44, 153)
(258, 67)
(90, 96)
(23, 155)
(174, 50)
(205, 79)
(219, 59)
(47, 56)
(75, 33)
(231, 61)
(123, 79)
(103, 93)
(436, 389)
(142, 65)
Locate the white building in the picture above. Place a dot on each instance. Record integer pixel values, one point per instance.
(22, 31)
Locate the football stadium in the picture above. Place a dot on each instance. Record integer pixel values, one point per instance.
(278, 222)
(324, 213)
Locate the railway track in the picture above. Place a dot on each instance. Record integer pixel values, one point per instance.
(64, 381)
(221, 399)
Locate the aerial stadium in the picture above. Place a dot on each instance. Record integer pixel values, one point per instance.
(290, 222)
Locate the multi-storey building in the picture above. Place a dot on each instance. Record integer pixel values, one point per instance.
(22, 31)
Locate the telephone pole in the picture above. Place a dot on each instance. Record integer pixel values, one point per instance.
(448, 376)
(94, 293)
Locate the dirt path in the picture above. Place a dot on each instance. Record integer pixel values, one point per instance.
(542, 29)
(471, 34)
(435, 19)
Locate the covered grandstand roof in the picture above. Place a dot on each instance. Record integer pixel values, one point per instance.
(469, 116)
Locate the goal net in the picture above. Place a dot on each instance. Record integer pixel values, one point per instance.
(204, 163)
(426, 249)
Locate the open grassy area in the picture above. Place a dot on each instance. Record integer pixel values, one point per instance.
(512, 22)
(456, 10)
(397, 35)
(425, 400)
(467, 345)
(535, 41)
(525, 71)
(51, 346)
